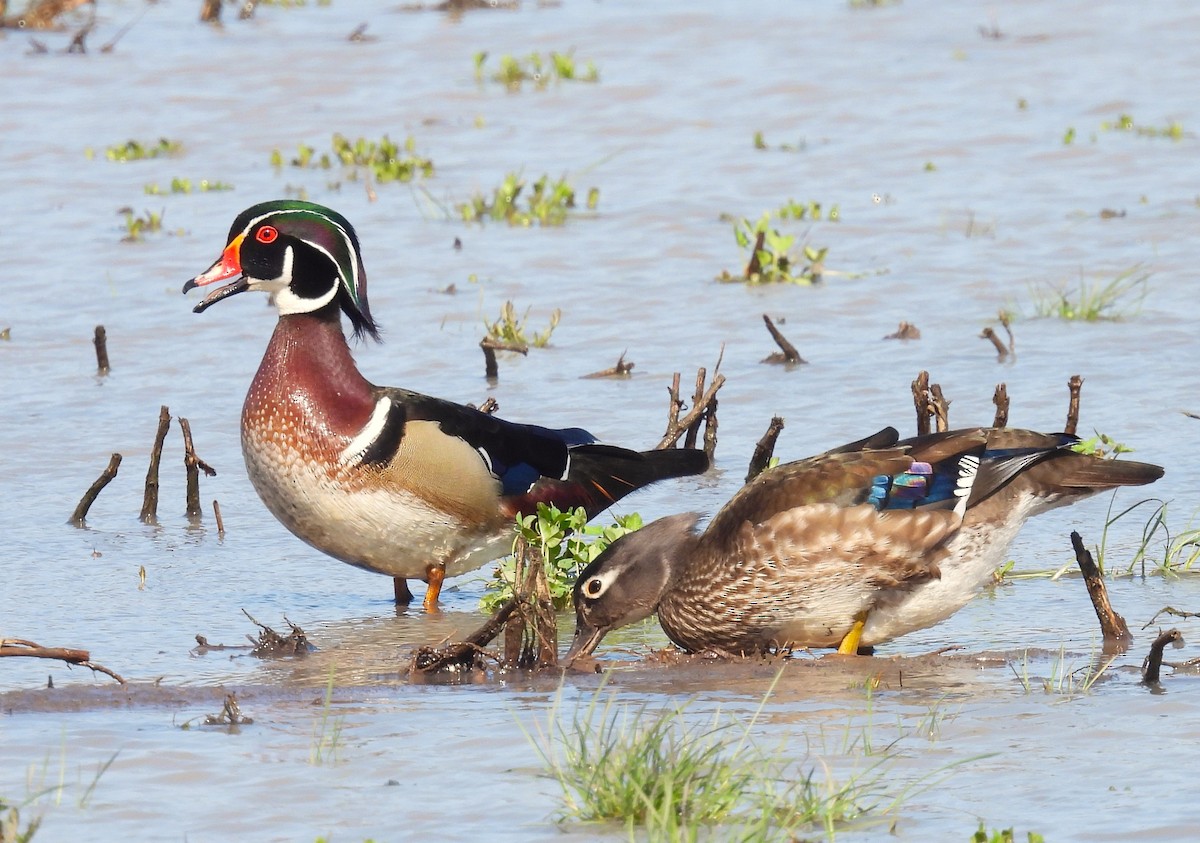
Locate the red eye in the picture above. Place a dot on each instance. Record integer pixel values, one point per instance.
(266, 234)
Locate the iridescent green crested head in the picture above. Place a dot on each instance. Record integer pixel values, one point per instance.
(307, 255)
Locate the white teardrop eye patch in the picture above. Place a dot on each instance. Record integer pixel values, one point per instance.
(595, 586)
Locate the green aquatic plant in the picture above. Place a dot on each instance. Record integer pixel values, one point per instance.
(513, 72)
(178, 185)
(1126, 123)
(510, 329)
(1101, 445)
(760, 143)
(137, 226)
(386, 160)
(1112, 300)
(771, 260)
(546, 203)
(133, 150)
(567, 544)
(1005, 835)
(793, 210)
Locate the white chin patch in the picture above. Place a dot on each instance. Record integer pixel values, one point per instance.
(286, 301)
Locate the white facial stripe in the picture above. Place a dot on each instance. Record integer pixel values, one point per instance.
(597, 584)
(360, 444)
(350, 250)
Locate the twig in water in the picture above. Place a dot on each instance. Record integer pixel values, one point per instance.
(920, 393)
(1001, 349)
(787, 352)
(193, 465)
(1112, 626)
(89, 497)
(620, 369)
(150, 498)
(941, 407)
(1000, 399)
(1153, 661)
(906, 331)
(101, 342)
(490, 347)
(1170, 610)
(1074, 385)
(217, 516)
(703, 410)
(764, 449)
(20, 647)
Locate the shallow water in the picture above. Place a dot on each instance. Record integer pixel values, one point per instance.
(872, 95)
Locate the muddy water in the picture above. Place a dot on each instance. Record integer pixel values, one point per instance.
(954, 201)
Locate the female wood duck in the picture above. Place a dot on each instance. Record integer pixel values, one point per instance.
(847, 549)
(386, 479)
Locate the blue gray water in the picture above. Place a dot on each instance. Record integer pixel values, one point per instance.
(944, 152)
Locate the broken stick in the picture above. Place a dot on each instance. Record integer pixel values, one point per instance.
(101, 341)
(1074, 385)
(765, 449)
(1112, 626)
(787, 352)
(89, 497)
(193, 465)
(150, 498)
(1153, 661)
(20, 647)
(1000, 399)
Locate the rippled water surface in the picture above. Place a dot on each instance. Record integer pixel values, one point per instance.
(937, 129)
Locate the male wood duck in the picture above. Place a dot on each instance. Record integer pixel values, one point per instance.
(383, 478)
(847, 549)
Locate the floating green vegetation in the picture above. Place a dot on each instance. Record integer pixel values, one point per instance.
(567, 544)
(1113, 300)
(138, 226)
(760, 142)
(546, 203)
(187, 186)
(1126, 123)
(1003, 836)
(771, 261)
(133, 150)
(509, 329)
(1069, 136)
(387, 160)
(793, 210)
(513, 72)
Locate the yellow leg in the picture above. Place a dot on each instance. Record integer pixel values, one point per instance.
(850, 643)
(434, 575)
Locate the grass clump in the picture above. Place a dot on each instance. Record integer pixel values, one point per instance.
(682, 779)
(513, 72)
(386, 160)
(547, 202)
(1112, 300)
(567, 544)
(771, 260)
(187, 186)
(509, 329)
(133, 150)
(10, 825)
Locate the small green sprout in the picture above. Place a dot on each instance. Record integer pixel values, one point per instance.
(133, 150)
(567, 544)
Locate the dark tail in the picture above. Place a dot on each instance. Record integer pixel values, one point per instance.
(600, 475)
(1070, 473)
